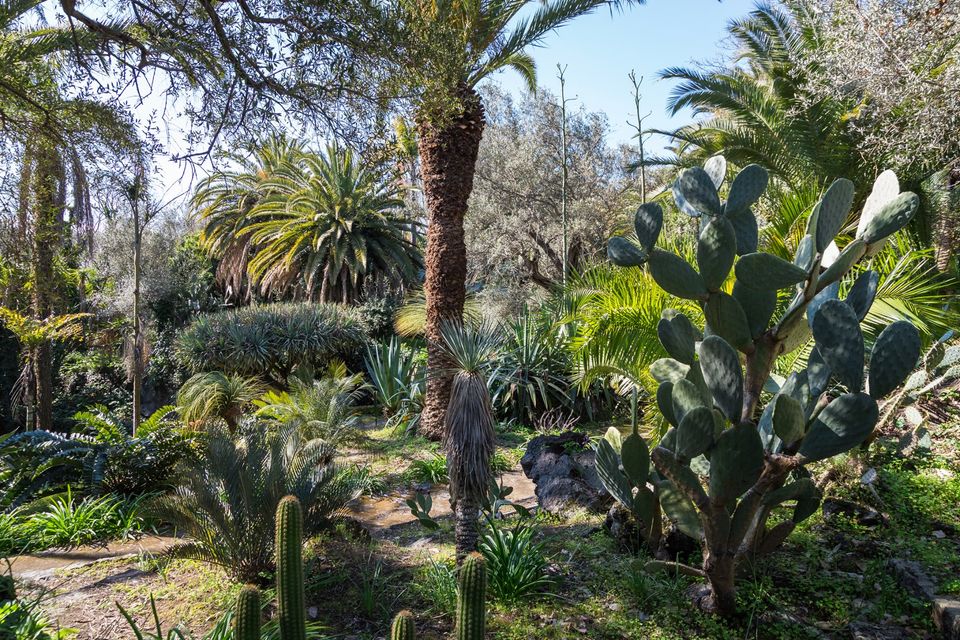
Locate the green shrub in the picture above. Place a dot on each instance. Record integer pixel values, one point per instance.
(270, 341)
(433, 470)
(65, 521)
(228, 497)
(101, 459)
(515, 562)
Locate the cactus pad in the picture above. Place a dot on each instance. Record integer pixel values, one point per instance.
(698, 190)
(746, 188)
(625, 253)
(648, 222)
(716, 251)
(675, 276)
(833, 211)
(745, 229)
(767, 271)
(836, 330)
(686, 398)
(695, 433)
(735, 463)
(635, 457)
(892, 217)
(726, 318)
(850, 255)
(894, 356)
(668, 369)
(788, 420)
(721, 371)
(678, 336)
(842, 425)
(758, 306)
(716, 168)
(665, 402)
(862, 293)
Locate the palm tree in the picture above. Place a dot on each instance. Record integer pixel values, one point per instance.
(35, 337)
(758, 108)
(442, 50)
(331, 223)
(224, 200)
(469, 437)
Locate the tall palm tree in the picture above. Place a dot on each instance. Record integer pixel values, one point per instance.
(443, 49)
(758, 108)
(224, 200)
(331, 223)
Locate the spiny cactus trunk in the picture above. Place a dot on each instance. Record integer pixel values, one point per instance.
(471, 599)
(290, 598)
(466, 525)
(448, 157)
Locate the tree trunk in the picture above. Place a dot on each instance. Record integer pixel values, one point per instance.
(137, 328)
(466, 526)
(723, 594)
(448, 156)
(46, 199)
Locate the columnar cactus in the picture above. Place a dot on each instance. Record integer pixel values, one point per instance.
(471, 597)
(246, 619)
(403, 627)
(290, 600)
(724, 460)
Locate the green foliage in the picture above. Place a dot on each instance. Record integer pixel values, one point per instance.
(436, 583)
(99, 459)
(23, 620)
(394, 374)
(432, 470)
(529, 377)
(269, 341)
(755, 468)
(323, 408)
(319, 225)
(211, 395)
(515, 562)
(227, 498)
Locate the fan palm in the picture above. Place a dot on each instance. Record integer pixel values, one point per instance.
(330, 223)
(228, 499)
(440, 51)
(223, 203)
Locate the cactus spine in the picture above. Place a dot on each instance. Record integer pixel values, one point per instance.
(403, 627)
(290, 600)
(246, 621)
(471, 611)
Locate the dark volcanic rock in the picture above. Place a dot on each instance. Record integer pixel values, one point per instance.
(870, 631)
(864, 515)
(563, 468)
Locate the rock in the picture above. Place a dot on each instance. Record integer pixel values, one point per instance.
(946, 615)
(912, 578)
(864, 515)
(870, 631)
(563, 468)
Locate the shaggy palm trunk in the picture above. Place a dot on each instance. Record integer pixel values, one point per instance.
(448, 157)
(46, 198)
(466, 526)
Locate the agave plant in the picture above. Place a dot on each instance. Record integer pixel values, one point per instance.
(228, 497)
(392, 371)
(323, 408)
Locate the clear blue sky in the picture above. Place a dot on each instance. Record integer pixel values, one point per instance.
(600, 50)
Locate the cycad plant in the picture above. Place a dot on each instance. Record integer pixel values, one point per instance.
(323, 408)
(469, 438)
(228, 497)
(213, 394)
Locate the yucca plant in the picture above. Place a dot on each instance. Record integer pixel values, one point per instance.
(214, 395)
(227, 499)
(323, 408)
(469, 438)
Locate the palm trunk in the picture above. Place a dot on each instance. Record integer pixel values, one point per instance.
(448, 156)
(466, 526)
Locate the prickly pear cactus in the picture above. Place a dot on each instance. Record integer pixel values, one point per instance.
(725, 458)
